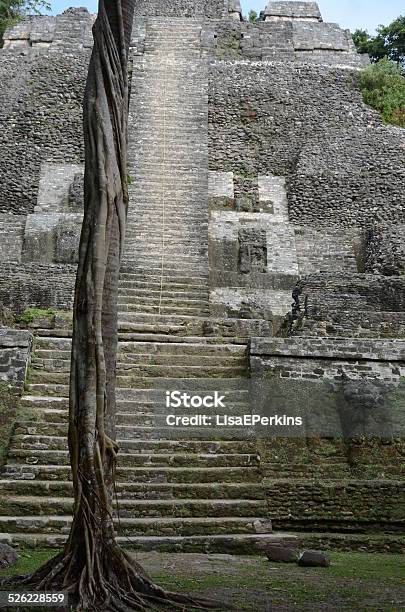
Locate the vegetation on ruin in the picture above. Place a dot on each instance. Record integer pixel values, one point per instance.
(383, 88)
(389, 42)
(11, 11)
(252, 16)
(355, 581)
(31, 314)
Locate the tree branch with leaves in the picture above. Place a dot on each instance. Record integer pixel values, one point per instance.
(12, 11)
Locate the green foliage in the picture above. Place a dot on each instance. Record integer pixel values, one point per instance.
(31, 314)
(383, 88)
(389, 42)
(252, 16)
(11, 11)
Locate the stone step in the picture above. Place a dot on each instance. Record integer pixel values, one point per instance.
(150, 288)
(133, 490)
(235, 389)
(169, 339)
(61, 363)
(178, 300)
(152, 263)
(191, 245)
(126, 376)
(131, 508)
(232, 543)
(142, 308)
(132, 459)
(62, 391)
(175, 275)
(169, 207)
(54, 442)
(141, 526)
(163, 349)
(151, 431)
(167, 242)
(147, 474)
(183, 325)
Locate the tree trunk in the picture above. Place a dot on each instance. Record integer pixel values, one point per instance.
(96, 572)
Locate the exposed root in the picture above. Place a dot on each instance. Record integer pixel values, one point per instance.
(117, 584)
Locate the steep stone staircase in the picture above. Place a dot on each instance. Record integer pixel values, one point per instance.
(195, 489)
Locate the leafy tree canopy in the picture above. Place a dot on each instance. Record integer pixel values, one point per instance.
(388, 42)
(383, 88)
(12, 11)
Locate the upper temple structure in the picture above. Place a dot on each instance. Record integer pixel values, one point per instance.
(265, 242)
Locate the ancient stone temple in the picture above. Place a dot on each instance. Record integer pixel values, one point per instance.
(264, 240)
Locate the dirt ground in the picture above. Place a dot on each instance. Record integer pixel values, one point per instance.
(355, 581)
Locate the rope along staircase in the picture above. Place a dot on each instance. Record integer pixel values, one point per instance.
(194, 492)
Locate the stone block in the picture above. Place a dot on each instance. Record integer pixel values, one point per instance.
(314, 558)
(273, 196)
(281, 554)
(8, 556)
(385, 249)
(220, 190)
(59, 188)
(285, 9)
(252, 251)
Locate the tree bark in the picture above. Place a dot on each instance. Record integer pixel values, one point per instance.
(92, 568)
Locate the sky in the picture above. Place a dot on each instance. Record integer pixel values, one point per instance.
(365, 14)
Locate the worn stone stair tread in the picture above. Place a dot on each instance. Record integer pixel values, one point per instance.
(126, 360)
(35, 442)
(251, 490)
(148, 338)
(142, 459)
(232, 543)
(215, 471)
(151, 432)
(23, 499)
(139, 349)
(146, 525)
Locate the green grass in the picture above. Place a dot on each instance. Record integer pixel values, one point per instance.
(355, 581)
(28, 561)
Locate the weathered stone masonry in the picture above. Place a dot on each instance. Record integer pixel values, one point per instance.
(256, 173)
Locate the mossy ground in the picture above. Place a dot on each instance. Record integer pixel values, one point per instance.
(355, 581)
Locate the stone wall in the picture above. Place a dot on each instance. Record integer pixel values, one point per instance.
(348, 505)
(52, 232)
(11, 236)
(41, 119)
(285, 40)
(292, 10)
(308, 124)
(70, 32)
(361, 305)
(361, 292)
(214, 9)
(385, 253)
(34, 285)
(328, 359)
(257, 254)
(15, 350)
